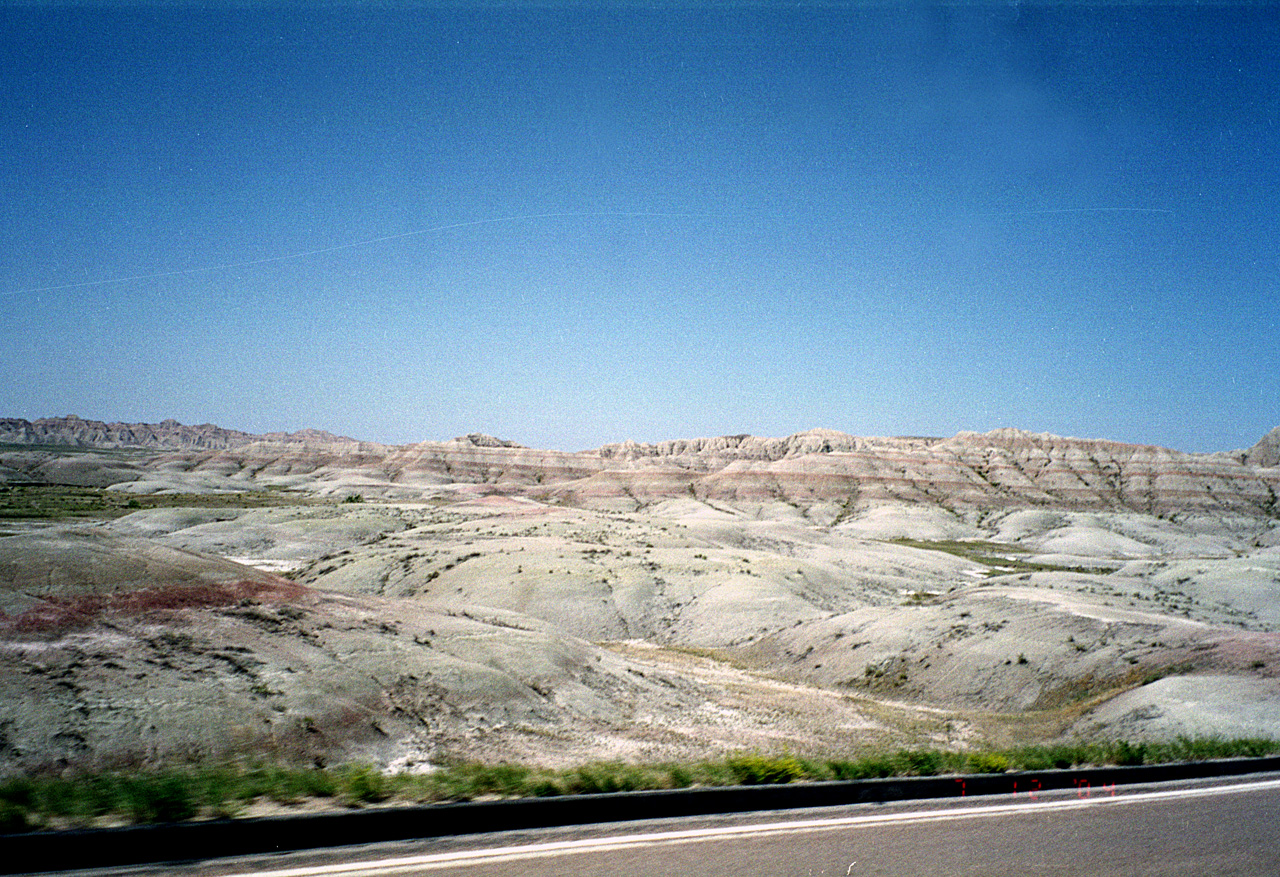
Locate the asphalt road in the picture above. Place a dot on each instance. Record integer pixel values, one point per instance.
(1224, 827)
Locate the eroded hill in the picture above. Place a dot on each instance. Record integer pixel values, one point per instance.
(482, 599)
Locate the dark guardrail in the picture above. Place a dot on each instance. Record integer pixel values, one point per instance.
(193, 841)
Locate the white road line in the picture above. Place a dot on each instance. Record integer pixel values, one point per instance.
(492, 855)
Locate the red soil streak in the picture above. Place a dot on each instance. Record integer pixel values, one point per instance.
(58, 614)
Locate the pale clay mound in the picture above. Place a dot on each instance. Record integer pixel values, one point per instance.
(501, 602)
(1230, 706)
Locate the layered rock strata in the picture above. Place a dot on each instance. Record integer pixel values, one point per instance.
(970, 470)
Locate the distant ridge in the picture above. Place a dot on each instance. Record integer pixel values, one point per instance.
(1002, 468)
(170, 435)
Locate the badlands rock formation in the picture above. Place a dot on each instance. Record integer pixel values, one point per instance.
(814, 593)
(1000, 469)
(73, 431)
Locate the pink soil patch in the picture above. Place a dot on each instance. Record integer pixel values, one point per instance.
(57, 614)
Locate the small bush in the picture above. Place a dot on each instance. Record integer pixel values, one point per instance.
(919, 762)
(680, 777)
(159, 798)
(219, 793)
(1057, 756)
(1127, 754)
(284, 785)
(866, 768)
(499, 779)
(467, 780)
(759, 770)
(988, 762)
(593, 779)
(13, 818)
(1255, 747)
(364, 785)
(546, 788)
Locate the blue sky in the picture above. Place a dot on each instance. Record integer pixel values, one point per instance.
(568, 224)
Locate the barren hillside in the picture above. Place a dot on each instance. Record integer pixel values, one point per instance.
(173, 591)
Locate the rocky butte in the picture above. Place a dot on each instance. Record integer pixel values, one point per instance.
(172, 591)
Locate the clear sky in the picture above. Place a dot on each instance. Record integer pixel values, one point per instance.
(567, 224)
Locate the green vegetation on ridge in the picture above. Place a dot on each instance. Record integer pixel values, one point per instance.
(995, 555)
(60, 501)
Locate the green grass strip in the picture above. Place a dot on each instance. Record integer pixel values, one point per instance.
(225, 791)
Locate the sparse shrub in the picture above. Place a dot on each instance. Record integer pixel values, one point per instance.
(19, 793)
(637, 778)
(870, 767)
(59, 797)
(546, 788)
(469, 780)
(13, 818)
(988, 762)
(759, 770)
(1057, 756)
(365, 785)
(919, 762)
(1253, 747)
(285, 786)
(595, 779)
(99, 794)
(680, 777)
(218, 793)
(1127, 754)
(159, 798)
(498, 779)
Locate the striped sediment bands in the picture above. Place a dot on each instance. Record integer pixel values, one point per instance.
(1006, 467)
